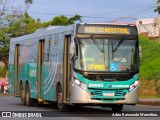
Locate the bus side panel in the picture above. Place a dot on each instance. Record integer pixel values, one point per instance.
(11, 68)
(28, 66)
(51, 68)
(27, 72)
(32, 69)
(32, 79)
(46, 68)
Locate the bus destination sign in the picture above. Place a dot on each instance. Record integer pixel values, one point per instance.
(104, 30)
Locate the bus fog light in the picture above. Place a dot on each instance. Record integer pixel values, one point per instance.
(84, 86)
(131, 87)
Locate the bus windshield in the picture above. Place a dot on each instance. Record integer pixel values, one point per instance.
(110, 55)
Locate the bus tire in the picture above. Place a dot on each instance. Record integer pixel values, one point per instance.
(117, 108)
(60, 105)
(23, 99)
(29, 101)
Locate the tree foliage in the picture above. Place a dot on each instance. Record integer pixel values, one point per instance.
(22, 26)
(158, 7)
(12, 24)
(62, 20)
(1, 71)
(28, 1)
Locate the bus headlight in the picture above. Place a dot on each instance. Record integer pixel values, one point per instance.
(77, 82)
(132, 86)
(80, 84)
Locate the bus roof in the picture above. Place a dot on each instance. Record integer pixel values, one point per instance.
(113, 23)
(40, 33)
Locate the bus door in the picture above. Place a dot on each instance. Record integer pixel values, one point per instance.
(16, 70)
(39, 68)
(66, 69)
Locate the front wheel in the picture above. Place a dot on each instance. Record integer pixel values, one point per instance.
(60, 105)
(117, 108)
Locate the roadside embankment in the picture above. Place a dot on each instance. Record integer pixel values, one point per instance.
(149, 92)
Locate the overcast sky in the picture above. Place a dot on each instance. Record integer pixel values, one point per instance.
(93, 10)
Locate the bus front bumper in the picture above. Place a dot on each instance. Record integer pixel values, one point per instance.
(80, 96)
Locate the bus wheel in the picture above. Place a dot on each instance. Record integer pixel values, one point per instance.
(60, 105)
(29, 101)
(23, 100)
(117, 108)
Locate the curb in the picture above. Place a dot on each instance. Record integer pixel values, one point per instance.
(1, 94)
(149, 102)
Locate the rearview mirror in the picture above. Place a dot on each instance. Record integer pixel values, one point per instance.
(72, 49)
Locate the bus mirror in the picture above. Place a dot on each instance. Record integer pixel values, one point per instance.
(140, 51)
(72, 49)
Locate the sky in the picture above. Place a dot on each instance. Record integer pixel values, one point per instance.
(94, 10)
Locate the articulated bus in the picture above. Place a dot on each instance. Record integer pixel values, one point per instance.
(75, 65)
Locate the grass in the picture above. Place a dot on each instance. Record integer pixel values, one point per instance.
(150, 60)
(149, 68)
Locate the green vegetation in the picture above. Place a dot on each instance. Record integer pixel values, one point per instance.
(1, 71)
(150, 60)
(149, 68)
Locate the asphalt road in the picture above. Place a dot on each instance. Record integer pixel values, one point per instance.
(13, 104)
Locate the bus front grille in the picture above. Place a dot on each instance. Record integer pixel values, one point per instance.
(108, 94)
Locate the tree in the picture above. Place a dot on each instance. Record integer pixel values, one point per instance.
(62, 20)
(4, 45)
(27, 4)
(12, 24)
(23, 25)
(158, 6)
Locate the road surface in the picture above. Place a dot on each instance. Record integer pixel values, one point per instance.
(11, 104)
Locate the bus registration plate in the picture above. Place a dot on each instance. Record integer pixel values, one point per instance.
(108, 94)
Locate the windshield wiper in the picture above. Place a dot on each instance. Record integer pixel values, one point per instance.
(118, 45)
(97, 44)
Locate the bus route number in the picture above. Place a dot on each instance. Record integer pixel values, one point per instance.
(95, 85)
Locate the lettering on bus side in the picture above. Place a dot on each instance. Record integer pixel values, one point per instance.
(32, 73)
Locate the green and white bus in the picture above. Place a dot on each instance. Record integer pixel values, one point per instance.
(79, 64)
